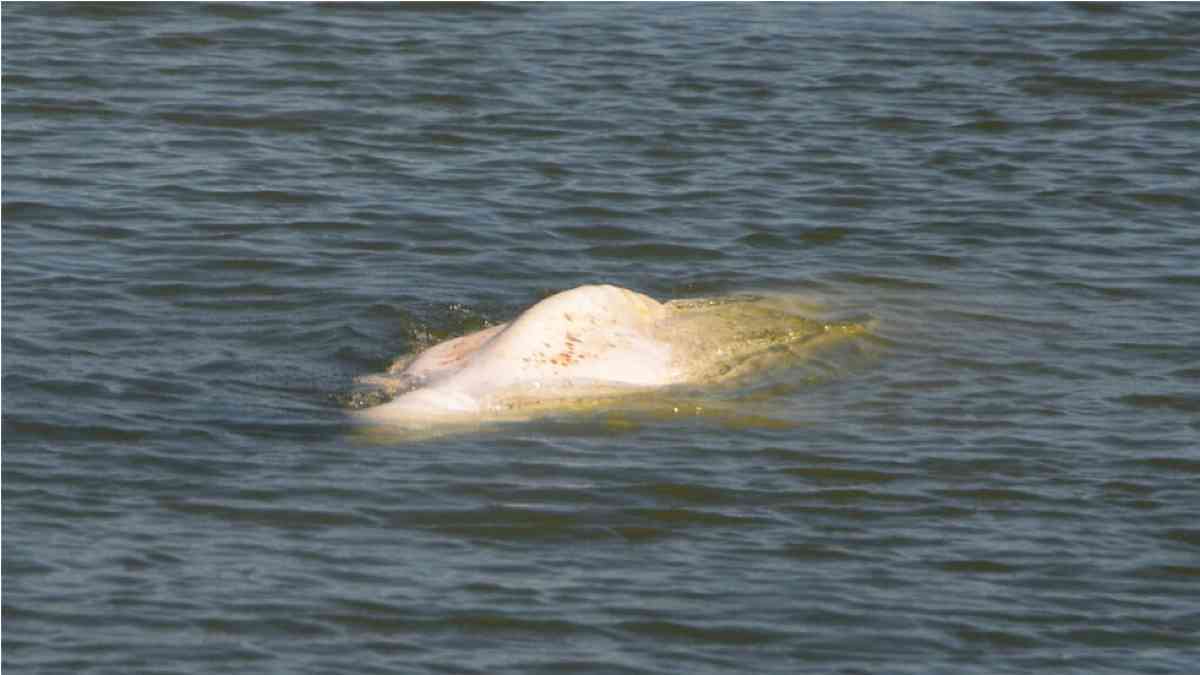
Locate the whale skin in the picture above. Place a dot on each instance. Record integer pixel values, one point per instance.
(594, 342)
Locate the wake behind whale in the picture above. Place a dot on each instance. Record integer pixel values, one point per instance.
(595, 345)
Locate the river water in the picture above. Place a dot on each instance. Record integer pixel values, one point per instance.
(215, 217)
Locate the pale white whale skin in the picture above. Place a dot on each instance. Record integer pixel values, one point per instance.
(591, 341)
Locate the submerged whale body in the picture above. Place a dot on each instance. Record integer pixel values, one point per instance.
(593, 343)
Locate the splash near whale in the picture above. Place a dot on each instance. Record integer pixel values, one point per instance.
(593, 346)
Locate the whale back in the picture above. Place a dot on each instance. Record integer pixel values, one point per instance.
(590, 344)
(588, 338)
(588, 334)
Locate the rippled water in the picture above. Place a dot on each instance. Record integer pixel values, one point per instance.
(216, 216)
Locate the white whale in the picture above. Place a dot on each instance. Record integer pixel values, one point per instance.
(594, 343)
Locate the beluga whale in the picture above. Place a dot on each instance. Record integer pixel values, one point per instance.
(593, 346)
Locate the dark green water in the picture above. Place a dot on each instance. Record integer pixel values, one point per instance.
(215, 217)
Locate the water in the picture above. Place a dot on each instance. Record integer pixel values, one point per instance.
(216, 216)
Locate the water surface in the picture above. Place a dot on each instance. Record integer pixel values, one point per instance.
(216, 216)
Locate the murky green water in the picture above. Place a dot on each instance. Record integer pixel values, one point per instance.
(215, 217)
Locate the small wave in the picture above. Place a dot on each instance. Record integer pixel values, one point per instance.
(654, 252)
